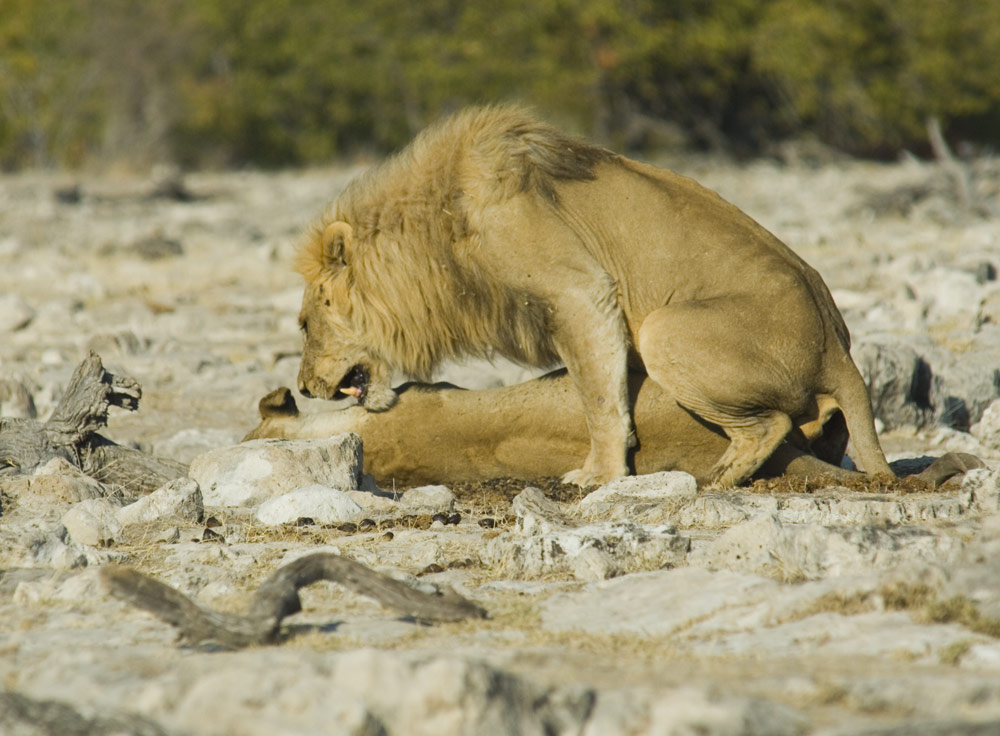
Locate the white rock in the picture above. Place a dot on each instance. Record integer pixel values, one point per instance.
(93, 522)
(180, 499)
(60, 481)
(322, 504)
(654, 603)
(982, 485)
(537, 514)
(985, 656)
(428, 498)
(953, 295)
(690, 710)
(764, 546)
(55, 549)
(544, 542)
(591, 565)
(252, 472)
(652, 487)
(14, 313)
(987, 429)
(373, 502)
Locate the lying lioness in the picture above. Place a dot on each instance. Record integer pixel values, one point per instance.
(443, 434)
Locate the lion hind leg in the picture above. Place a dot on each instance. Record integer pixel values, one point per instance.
(725, 362)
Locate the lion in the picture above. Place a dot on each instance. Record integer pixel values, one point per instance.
(536, 430)
(494, 233)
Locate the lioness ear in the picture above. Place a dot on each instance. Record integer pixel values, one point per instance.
(336, 241)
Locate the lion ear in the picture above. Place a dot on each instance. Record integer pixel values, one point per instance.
(325, 253)
(336, 239)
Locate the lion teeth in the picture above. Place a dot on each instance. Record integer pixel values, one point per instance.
(351, 390)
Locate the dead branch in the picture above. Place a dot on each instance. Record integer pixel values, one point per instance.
(951, 165)
(277, 598)
(71, 433)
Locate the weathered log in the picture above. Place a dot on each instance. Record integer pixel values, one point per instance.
(277, 598)
(71, 433)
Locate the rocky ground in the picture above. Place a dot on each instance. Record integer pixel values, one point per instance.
(645, 608)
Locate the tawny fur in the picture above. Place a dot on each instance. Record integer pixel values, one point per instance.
(495, 233)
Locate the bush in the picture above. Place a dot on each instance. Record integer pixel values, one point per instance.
(275, 82)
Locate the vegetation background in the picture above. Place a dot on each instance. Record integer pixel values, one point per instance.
(291, 82)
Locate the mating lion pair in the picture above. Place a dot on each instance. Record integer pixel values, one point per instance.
(493, 233)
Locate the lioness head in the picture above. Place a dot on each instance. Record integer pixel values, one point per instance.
(335, 359)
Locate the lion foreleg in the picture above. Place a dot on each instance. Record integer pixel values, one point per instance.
(591, 340)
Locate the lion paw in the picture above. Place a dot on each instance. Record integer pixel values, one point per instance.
(589, 478)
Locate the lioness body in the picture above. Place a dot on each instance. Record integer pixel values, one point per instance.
(495, 233)
(537, 429)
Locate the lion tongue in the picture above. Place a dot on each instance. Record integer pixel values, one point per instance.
(351, 390)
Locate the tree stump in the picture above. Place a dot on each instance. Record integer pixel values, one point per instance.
(71, 433)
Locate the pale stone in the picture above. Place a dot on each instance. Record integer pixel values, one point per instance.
(428, 498)
(544, 542)
(60, 481)
(591, 565)
(322, 504)
(373, 502)
(982, 485)
(765, 546)
(654, 497)
(987, 429)
(653, 603)
(252, 472)
(178, 499)
(14, 313)
(93, 522)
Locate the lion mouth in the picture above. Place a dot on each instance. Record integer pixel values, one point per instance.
(355, 383)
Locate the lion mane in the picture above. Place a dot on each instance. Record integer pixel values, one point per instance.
(409, 218)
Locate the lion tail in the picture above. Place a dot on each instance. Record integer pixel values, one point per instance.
(851, 395)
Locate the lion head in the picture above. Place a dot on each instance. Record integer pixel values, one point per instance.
(335, 358)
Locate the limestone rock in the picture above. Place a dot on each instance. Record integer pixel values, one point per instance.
(252, 472)
(179, 499)
(765, 546)
(60, 481)
(93, 522)
(322, 504)
(899, 381)
(14, 313)
(636, 493)
(545, 541)
(428, 499)
(54, 548)
(690, 710)
(987, 429)
(655, 603)
(982, 486)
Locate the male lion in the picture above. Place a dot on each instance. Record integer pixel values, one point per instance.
(494, 233)
(443, 434)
